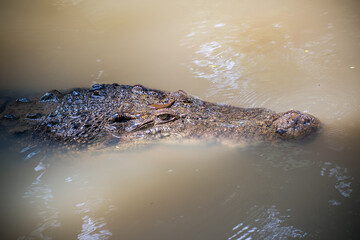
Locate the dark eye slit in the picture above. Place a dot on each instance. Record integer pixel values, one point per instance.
(119, 118)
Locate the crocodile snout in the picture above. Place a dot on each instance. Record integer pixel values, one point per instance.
(296, 125)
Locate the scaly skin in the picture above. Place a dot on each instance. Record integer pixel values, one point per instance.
(120, 114)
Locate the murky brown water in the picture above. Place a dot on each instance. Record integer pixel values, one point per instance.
(275, 54)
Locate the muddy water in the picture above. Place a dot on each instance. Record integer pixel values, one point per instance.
(275, 54)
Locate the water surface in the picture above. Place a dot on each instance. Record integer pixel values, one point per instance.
(281, 55)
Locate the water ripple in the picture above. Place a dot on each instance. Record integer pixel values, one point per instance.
(40, 195)
(343, 179)
(92, 229)
(266, 224)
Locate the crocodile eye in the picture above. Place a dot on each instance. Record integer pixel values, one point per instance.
(165, 117)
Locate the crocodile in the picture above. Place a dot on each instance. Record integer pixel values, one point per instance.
(113, 115)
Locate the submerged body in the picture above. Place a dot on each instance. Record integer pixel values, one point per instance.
(118, 114)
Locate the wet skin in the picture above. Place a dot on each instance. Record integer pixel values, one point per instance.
(121, 114)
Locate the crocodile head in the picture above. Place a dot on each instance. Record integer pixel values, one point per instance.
(178, 115)
(121, 114)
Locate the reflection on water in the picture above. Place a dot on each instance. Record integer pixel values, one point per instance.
(241, 57)
(262, 223)
(220, 61)
(40, 196)
(92, 227)
(343, 180)
(260, 192)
